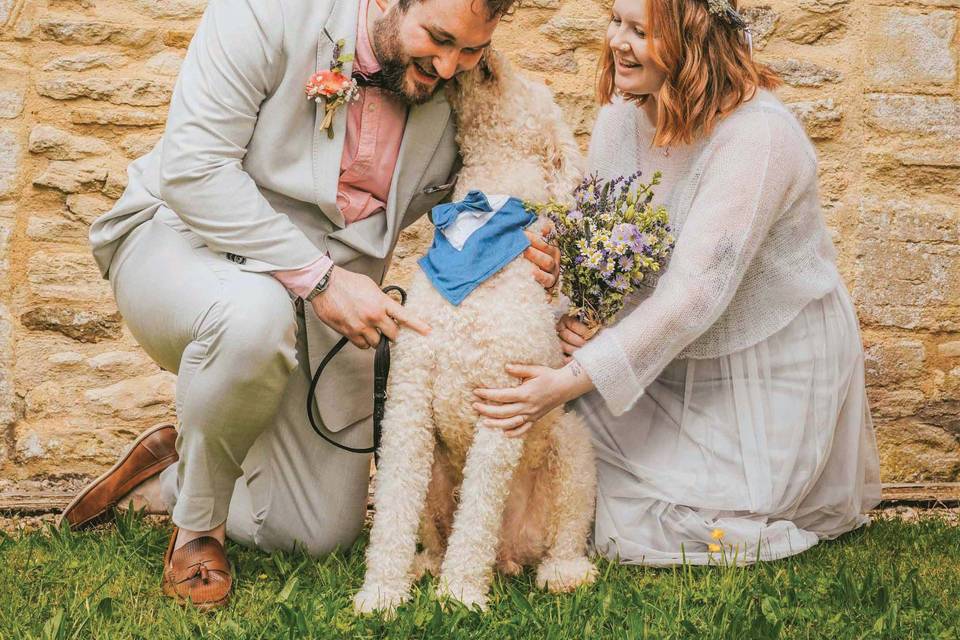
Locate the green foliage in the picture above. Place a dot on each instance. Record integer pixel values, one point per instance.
(894, 580)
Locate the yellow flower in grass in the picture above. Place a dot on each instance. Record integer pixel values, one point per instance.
(717, 534)
(713, 548)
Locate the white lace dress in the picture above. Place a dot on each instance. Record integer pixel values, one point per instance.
(731, 394)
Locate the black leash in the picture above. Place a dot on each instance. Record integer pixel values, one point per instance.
(381, 370)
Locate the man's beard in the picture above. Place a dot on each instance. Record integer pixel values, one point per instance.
(394, 62)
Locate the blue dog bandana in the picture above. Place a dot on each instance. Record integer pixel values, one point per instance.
(473, 240)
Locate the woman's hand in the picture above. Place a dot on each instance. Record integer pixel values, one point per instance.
(573, 335)
(545, 257)
(515, 409)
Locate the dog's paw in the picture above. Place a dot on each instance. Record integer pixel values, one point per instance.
(560, 576)
(467, 595)
(426, 563)
(509, 567)
(378, 600)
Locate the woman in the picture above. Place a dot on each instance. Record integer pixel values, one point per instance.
(727, 402)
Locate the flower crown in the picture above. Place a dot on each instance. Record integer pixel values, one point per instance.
(723, 9)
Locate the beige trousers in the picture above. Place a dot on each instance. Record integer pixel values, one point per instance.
(248, 455)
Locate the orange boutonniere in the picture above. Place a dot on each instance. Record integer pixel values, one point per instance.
(332, 88)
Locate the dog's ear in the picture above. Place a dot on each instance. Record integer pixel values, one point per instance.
(488, 65)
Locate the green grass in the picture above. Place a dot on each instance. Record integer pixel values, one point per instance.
(893, 580)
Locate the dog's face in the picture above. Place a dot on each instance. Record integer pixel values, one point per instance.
(512, 136)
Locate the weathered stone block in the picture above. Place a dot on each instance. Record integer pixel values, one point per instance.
(85, 208)
(914, 115)
(815, 22)
(57, 144)
(67, 276)
(801, 73)
(908, 265)
(135, 92)
(6, 7)
(11, 104)
(85, 61)
(184, 9)
(949, 349)
(72, 176)
(118, 117)
(906, 48)
(121, 363)
(92, 33)
(893, 403)
(137, 399)
(166, 63)
(893, 361)
(56, 229)
(178, 39)
(136, 145)
(573, 32)
(79, 324)
(822, 119)
(549, 62)
(763, 22)
(579, 111)
(911, 450)
(9, 161)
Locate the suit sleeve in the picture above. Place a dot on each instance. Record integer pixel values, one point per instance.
(233, 62)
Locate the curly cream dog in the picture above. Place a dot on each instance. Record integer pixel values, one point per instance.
(522, 501)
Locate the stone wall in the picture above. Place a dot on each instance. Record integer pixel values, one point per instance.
(83, 90)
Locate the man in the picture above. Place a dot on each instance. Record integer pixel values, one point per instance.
(248, 242)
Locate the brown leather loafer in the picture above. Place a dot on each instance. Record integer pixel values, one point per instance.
(152, 452)
(197, 573)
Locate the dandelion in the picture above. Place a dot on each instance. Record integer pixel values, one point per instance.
(714, 548)
(717, 534)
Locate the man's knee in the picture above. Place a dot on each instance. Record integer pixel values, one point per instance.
(256, 333)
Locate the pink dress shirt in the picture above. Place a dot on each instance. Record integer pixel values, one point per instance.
(375, 124)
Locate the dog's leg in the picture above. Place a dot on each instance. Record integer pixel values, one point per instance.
(437, 516)
(406, 456)
(472, 548)
(566, 565)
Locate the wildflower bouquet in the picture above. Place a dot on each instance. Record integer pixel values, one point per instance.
(610, 240)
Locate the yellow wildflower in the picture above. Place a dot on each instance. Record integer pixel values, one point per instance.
(714, 548)
(717, 534)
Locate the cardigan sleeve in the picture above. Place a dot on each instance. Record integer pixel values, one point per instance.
(750, 174)
(234, 61)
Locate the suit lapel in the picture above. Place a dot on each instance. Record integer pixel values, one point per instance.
(340, 24)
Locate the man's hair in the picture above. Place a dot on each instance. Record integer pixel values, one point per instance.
(494, 8)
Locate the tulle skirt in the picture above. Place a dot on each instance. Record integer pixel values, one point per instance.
(773, 445)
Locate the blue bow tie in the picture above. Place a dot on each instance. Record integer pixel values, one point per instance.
(446, 214)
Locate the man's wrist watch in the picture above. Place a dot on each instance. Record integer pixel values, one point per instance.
(321, 286)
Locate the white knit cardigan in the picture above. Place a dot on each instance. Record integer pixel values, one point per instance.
(752, 248)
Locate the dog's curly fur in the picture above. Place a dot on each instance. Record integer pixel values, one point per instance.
(522, 501)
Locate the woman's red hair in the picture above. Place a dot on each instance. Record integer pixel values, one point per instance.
(708, 67)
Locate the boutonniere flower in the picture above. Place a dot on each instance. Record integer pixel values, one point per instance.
(331, 88)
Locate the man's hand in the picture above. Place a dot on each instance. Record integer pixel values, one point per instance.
(354, 306)
(545, 257)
